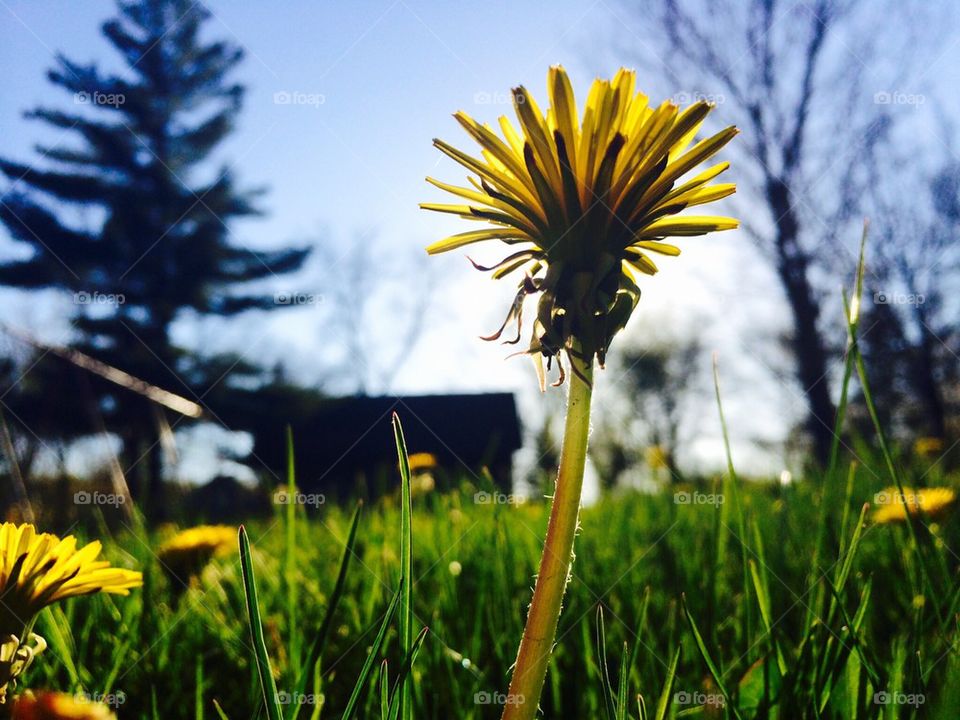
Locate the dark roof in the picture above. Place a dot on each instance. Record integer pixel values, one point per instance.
(342, 436)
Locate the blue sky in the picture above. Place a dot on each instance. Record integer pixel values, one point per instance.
(377, 81)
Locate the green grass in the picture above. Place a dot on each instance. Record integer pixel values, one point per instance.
(806, 639)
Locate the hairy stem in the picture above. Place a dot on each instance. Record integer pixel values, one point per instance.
(541, 628)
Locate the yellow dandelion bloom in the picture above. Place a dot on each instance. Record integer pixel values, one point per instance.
(422, 462)
(894, 507)
(38, 569)
(926, 446)
(58, 706)
(584, 203)
(187, 552)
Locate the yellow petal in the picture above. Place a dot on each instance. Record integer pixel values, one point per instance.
(467, 238)
(681, 225)
(658, 247)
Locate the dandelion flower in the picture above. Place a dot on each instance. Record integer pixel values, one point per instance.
(928, 446)
(422, 462)
(584, 203)
(58, 706)
(37, 570)
(894, 507)
(186, 553)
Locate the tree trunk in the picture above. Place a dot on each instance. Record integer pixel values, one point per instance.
(809, 352)
(926, 379)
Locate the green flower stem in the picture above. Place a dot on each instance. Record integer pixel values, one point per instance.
(536, 645)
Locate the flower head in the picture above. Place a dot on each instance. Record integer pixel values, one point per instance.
(187, 552)
(39, 569)
(928, 446)
(894, 507)
(58, 706)
(584, 203)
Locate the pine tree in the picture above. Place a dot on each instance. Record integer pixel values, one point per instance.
(160, 246)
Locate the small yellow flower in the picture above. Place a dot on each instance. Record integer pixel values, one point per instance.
(584, 202)
(656, 457)
(58, 706)
(421, 462)
(927, 446)
(894, 507)
(186, 553)
(39, 569)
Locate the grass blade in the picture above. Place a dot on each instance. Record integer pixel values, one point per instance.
(405, 669)
(663, 704)
(711, 666)
(267, 684)
(372, 655)
(290, 557)
(320, 642)
(406, 560)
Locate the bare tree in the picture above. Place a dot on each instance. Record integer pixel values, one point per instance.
(915, 281)
(376, 316)
(807, 83)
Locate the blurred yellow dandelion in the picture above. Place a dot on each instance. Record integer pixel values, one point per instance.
(186, 553)
(584, 202)
(927, 446)
(422, 462)
(934, 502)
(58, 706)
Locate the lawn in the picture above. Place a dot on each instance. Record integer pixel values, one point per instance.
(801, 604)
